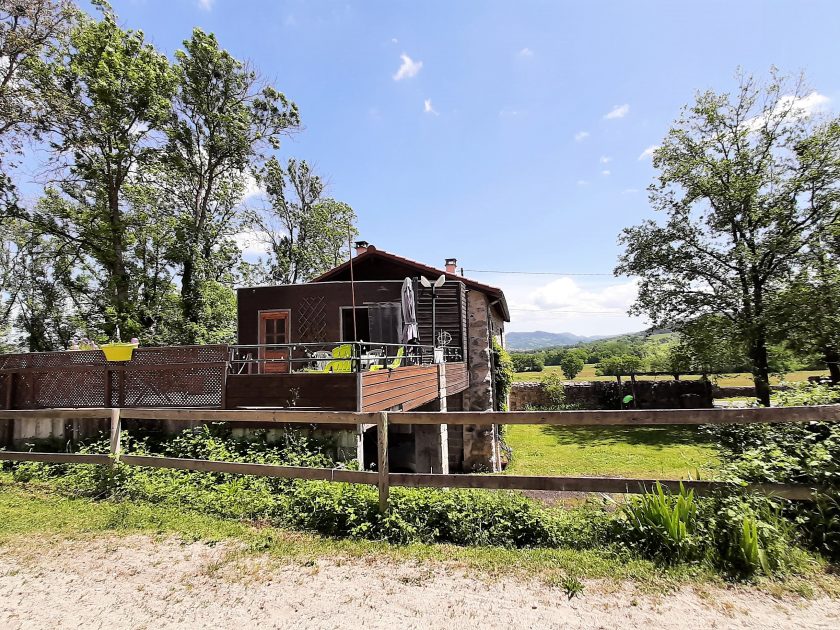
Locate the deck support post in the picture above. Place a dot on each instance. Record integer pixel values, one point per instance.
(382, 438)
(116, 429)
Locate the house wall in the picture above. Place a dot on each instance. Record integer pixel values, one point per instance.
(315, 308)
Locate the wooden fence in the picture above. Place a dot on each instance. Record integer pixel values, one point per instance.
(384, 479)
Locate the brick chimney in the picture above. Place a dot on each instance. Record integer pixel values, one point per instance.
(361, 247)
(451, 264)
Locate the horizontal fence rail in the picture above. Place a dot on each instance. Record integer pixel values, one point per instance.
(384, 479)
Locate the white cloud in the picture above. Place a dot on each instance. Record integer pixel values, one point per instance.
(565, 294)
(581, 135)
(648, 153)
(427, 107)
(605, 159)
(799, 108)
(619, 111)
(564, 305)
(207, 5)
(605, 172)
(252, 244)
(252, 188)
(526, 52)
(582, 182)
(408, 69)
(394, 40)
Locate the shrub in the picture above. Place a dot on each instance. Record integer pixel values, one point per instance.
(662, 526)
(748, 535)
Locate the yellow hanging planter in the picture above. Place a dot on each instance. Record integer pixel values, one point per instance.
(118, 351)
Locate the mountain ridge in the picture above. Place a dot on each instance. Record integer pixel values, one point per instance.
(539, 339)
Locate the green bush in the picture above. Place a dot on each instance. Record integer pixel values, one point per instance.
(739, 535)
(662, 526)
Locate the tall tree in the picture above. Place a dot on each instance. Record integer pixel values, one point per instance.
(224, 117)
(747, 182)
(807, 312)
(305, 233)
(27, 29)
(105, 94)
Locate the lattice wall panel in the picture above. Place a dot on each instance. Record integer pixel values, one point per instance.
(59, 388)
(311, 320)
(180, 376)
(199, 386)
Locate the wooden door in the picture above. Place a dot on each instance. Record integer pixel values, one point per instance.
(274, 329)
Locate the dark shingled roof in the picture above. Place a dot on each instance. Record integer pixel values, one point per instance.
(398, 265)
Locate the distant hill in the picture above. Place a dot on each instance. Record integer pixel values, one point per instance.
(540, 339)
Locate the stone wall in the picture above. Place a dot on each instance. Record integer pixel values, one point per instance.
(480, 448)
(606, 394)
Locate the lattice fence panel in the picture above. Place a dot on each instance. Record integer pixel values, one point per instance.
(192, 386)
(59, 388)
(312, 320)
(180, 376)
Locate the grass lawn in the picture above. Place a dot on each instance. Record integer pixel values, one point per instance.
(670, 452)
(588, 374)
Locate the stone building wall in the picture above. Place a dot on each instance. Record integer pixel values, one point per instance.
(692, 394)
(480, 443)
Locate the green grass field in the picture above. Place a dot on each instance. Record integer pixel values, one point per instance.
(588, 374)
(647, 452)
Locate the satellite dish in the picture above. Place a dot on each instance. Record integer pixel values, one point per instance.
(439, 282)
(425, 282)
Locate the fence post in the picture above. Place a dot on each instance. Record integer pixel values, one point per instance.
(116, 429)
(383, 461)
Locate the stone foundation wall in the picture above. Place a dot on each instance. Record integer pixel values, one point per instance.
(606, 395)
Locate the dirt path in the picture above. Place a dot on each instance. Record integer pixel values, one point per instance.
(138, 582)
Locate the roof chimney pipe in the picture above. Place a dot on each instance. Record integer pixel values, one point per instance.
(451, 264)
(361, 247)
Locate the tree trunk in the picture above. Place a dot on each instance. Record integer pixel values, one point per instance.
(761, 371)
(189, 301)
(832, 359)
(119, 275)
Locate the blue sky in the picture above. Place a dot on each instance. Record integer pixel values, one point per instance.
(512, 137)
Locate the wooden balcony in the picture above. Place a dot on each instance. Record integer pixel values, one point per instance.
(403, 388)
(199, 376)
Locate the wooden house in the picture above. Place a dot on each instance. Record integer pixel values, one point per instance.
(336, 343)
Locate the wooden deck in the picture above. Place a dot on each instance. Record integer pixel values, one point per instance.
(403, 388)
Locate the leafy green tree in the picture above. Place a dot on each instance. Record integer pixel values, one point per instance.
(305, 233)
(528, 362)
(103, 95)
(571, 364)
(618, 366)
(27, 29)
(747, 183)
(224, 119)
(806, 312)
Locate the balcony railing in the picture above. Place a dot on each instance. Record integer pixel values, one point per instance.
(335, 357)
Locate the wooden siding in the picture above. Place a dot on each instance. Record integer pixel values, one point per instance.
(409, 387)
(315, 308)
(450, 313)
(331, 392)
(457, 377)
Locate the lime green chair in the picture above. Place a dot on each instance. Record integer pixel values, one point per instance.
(342, 360)
(393, 365)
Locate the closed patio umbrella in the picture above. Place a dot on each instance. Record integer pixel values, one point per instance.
(410, 331)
